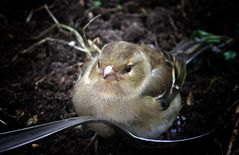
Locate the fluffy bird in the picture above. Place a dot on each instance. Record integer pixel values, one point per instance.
(134, 86)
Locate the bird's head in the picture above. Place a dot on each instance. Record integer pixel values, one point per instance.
(122, 67)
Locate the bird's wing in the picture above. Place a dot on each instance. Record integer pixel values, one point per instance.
(166, 79)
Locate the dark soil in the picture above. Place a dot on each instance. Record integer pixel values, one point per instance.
(37, 87)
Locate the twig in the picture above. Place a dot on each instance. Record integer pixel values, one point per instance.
(42, 79)
(29, 17)
(182, 8)
(23, 52)
(70, 29)
(232, 106)
(1, 121)
(155, 41)
(43, 33)
(227, 42)
(76, 33)
(220, 145)
(90, 142)
(65, 27)
(80, 41)
(172, 23)
(84, 28)
(51, 14)
(42, 41)
(91, 43)
(234, 136)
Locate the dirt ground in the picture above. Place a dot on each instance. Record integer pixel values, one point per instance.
(36, 87)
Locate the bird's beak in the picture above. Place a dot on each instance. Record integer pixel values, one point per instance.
(108, 73)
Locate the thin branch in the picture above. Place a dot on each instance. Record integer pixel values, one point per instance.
(81, 47)
(43, 33)
(172, 23)
(183, 8)
(24, 51)
(71, 44)
(75, 32)
(43, 78)
(91, 43)
(42, 41)
(84, 28)
(51, 14)
(235, 133)
(1, 121)
(90, 142)
(29, 17)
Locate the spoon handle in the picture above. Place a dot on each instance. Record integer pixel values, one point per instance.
(16, 138)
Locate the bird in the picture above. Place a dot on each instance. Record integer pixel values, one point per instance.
(134, 86)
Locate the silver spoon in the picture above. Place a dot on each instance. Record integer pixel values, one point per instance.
(16, 138)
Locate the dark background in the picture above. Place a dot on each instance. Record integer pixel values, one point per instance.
(36, 88)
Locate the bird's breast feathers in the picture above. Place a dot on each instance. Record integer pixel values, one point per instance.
(104, 102)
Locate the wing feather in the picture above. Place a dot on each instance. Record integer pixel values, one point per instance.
(166, 80)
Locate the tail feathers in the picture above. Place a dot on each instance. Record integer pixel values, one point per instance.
(188, 50)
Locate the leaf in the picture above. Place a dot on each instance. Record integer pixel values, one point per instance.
(95, 4)
(206, 37)
(236, 87)
(229, 55)
(32, 120)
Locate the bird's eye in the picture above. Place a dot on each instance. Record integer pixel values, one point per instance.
(127, 69)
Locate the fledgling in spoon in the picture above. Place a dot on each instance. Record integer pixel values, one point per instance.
(134, 86)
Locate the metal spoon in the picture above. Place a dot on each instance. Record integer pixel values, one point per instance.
(16, 138)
